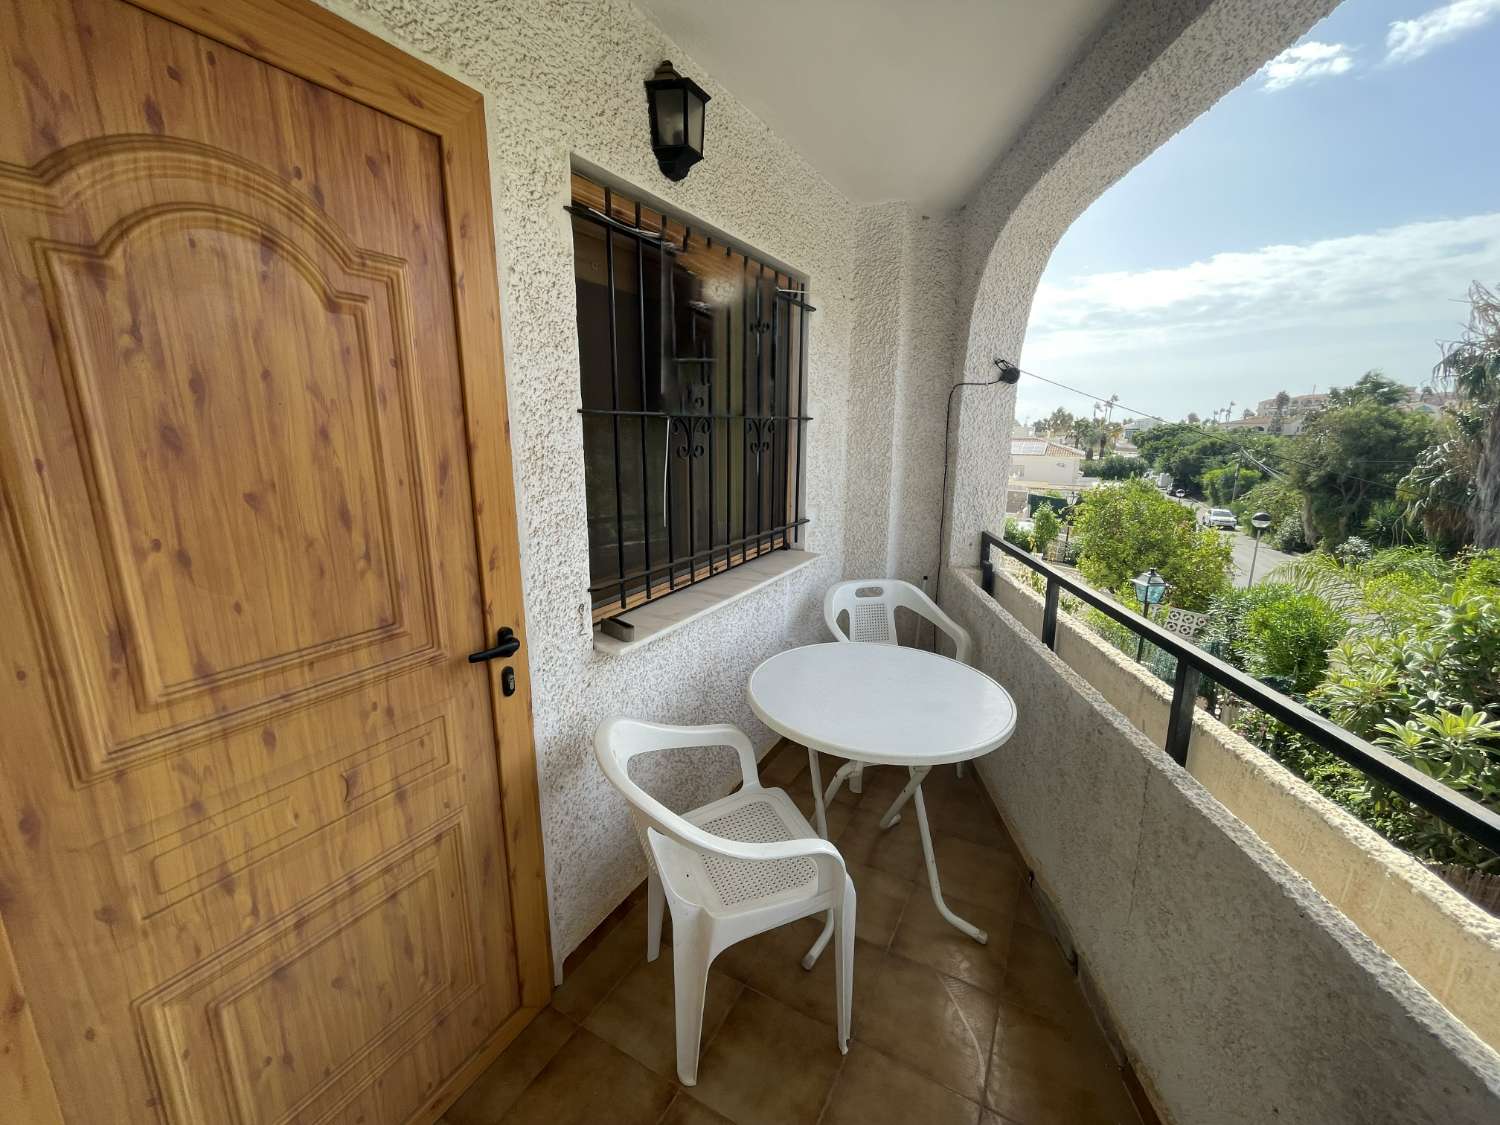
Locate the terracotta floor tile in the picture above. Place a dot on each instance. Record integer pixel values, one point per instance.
(620, 951)
(1039, 979)
(974, 872)
(936, 1024)
(496, 1090)
(589, 1081)
(779, 768)
(874, 1089)
(880, 899)
(896, 851)
(686, 1111)
(1043, 1074)
(960, 807)
(768, 1065)
(927, 937)
(771, 963)
(639, 1016)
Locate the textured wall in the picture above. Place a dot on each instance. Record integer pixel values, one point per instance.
(1147, 75)
(902, 363)
(562, 80)
(1241, 993)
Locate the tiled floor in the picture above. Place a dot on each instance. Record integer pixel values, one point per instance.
(945, 1030)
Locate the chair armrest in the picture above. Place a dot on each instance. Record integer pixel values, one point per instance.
(819, 850)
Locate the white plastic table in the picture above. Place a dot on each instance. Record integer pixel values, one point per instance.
(882, 705)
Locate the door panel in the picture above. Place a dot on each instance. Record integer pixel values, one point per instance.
(252, 861)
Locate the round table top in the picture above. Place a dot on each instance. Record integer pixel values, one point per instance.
(882, 703)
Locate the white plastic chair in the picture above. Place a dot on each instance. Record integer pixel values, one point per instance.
(729, 870)
(871, 605)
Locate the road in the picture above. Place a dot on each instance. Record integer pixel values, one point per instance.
(1244, 549)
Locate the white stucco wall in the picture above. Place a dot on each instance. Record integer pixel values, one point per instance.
(563, 80)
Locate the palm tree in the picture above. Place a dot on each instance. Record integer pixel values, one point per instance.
(1473, 363)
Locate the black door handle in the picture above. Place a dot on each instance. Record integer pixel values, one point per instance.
(506, 644)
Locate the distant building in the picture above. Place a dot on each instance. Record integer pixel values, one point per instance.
(1041, 463)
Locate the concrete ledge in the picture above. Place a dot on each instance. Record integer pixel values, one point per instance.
(1240, 993)
(657, 619)
(1448, 944)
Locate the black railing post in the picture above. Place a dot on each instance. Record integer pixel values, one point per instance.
(986, 565)
(1049, 614)
(1180, 718)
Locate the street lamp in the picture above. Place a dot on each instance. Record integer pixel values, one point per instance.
(1150, 588)
(1260, 521)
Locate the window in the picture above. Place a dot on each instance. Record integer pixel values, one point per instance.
(693, 355)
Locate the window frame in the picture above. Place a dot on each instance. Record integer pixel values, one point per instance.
(682, 433)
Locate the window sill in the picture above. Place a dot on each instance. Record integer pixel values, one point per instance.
(655, 620)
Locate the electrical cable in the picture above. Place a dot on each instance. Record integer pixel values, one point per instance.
(1009, 374)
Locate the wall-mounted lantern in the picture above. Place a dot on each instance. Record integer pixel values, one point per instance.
(676, 104)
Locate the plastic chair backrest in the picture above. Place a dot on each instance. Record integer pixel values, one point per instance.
(871, 604)
(619, 739)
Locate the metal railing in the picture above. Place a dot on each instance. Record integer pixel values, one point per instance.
(1193, 663)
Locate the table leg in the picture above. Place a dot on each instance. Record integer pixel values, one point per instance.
(820, 802)
(815, 776)
(893, 814)
(932, 875)
(847, 770)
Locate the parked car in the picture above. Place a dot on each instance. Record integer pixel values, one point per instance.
(1221, 518)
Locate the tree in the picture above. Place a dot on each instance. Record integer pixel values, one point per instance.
(1118, 467)
(1349, 456)
(1278, 417)
(1161, 441)
(1473, 363)
(1228, 483)
(1193, 418)
(1056, 424)
(1122, 529)
(1373, 386)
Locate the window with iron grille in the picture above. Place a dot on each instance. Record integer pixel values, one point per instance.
(693, 355)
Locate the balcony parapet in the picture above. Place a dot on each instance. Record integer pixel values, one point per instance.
(1239, 987)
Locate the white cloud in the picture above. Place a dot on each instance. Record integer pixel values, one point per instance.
(1305, 62)
(1411, 39)
(1241, 325)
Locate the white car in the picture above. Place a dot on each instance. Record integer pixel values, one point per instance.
(1221, 518)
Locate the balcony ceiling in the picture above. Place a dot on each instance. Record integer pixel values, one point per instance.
(889, 99)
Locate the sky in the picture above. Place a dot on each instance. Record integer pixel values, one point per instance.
(1325, 218)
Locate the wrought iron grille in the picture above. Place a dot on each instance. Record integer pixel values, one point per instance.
(693, 357)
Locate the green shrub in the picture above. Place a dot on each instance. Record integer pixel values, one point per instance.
(1019, 535)
(1288, 638)
(1045, 527)
(1287, 535)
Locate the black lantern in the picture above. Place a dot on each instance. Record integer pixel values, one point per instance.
(676, 105)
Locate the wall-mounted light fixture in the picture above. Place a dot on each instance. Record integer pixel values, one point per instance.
(676, 104)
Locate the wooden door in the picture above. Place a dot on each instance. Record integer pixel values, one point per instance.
(268, 843)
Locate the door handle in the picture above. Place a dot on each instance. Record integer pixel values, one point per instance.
(506, 644)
